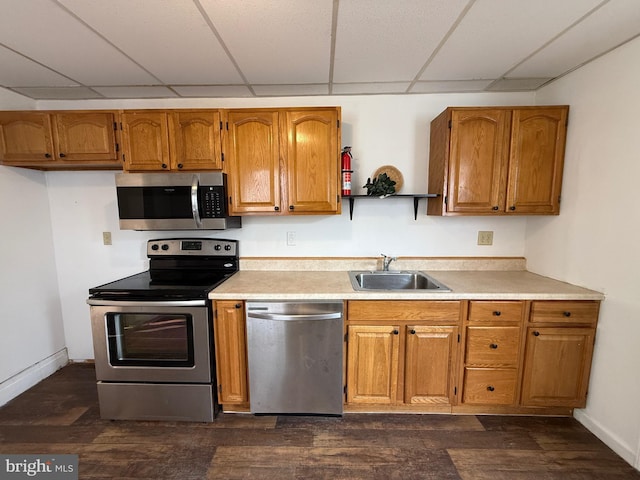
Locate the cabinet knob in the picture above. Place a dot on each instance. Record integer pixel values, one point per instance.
(512, 208)
(396, 332)
(291, 207)
(276, 208)
(495, 207)
(413, 332)
(180, 165)
(497, 313)
(62, 155)
(493, 346)
(566, 314)
(164, 165)
(536, 333)
(491, 388)
(47, 155)
(238, 305)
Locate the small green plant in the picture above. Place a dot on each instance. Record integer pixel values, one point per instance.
(381, 186)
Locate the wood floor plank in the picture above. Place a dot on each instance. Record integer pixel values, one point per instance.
(384, 422)
(477, 464)
(356, 462)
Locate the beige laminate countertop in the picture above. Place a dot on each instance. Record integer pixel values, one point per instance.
(330, 285)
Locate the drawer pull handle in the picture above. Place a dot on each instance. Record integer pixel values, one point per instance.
(566, 314)
(536, 333)
(493, 346)
(491, 388)
(413, 332)
(396, 332)
(497, 313)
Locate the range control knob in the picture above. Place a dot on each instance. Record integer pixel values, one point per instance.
(227, 247)
(154, 247)
(217, 247)
(165, 247)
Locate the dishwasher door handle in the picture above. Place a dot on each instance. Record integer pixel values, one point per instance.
(291, 317)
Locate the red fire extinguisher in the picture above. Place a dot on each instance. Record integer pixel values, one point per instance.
(346, 171)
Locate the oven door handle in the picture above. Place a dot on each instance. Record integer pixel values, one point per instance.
(195, 186)
(133, 303)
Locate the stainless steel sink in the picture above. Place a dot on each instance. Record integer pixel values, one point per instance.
(395, 280)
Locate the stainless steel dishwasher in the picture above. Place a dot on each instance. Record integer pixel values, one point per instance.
(295, 357)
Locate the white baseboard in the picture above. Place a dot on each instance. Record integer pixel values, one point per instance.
(612, 441)
(30, 376)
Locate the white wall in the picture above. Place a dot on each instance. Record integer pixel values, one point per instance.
(31, 320)
(595, 241)
(382, 130)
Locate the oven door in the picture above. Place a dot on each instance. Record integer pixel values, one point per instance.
(151, 341)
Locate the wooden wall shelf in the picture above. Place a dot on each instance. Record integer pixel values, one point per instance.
(416, 199)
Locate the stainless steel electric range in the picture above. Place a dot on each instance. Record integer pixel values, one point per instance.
(153, 333)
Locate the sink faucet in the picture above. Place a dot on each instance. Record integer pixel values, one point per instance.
(386, 261)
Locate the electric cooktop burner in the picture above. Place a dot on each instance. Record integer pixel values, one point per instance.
(178, 269)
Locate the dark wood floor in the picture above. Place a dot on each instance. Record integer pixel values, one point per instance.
(60, 415)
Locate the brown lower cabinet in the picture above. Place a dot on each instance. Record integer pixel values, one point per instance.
(478, 356)
(231, 354)
(402, 353)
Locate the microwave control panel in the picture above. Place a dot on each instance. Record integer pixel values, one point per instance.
(213, 203)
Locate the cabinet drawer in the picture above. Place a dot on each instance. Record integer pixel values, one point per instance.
(489, 386)
(492, 346)
(565, 312)
(495, 311)
(411, 310)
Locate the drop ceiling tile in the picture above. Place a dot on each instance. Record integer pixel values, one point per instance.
(609, 26)
(495, 35)
(389, 41)
(53, 93)
(149, 91)
(172, 39)
(276, 42)
(44, 31)
(517, 84)
(369, 88)
(451, 86)
(213, 91)
(19, 71)
(291, 90)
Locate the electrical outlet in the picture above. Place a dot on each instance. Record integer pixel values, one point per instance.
(291, 239)
(106, 238)
(485, 238)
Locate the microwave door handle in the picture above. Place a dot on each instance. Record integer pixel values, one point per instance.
(195, 186)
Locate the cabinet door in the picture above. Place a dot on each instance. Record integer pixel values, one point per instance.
(372, 364)
(536, 160)
(312, 161)
(195, 140)
(253, 157)
(229, 333)
(556, 367)
(479, 156)
(430, 363)
(26, 137)
(145, 141)
(86, 137)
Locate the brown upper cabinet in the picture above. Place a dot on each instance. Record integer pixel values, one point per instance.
(59, 140)
(283, 161)
(171, 140)
(497, 160)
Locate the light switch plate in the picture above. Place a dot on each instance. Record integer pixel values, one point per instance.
(106, 238)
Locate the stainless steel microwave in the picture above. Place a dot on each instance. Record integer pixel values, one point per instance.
(174, 201)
